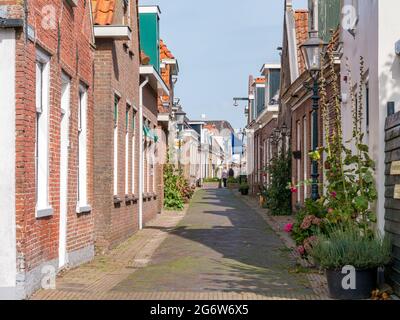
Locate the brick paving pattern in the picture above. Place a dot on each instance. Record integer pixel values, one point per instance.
(219, 248)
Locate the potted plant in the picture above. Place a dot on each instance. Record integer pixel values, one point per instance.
(351, 259)
(244, 189)
(232, 183)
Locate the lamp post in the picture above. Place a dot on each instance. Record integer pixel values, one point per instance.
(180, 120)
(312, 51)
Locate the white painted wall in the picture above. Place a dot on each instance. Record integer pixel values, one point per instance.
(7, 163)
(377, 31)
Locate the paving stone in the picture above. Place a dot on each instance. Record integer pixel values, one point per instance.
(220, 249)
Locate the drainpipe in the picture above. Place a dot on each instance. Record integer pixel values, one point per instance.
(141, 155)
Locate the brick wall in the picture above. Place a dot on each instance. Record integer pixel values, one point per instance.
(260, 137)
(68, 43)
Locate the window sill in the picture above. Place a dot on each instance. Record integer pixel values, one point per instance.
(83, 209)
(45, 212)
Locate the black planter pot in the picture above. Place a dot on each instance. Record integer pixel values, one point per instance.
(366, 282)
(244, 192)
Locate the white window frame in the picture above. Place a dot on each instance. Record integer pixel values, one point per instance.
(115, 143)
(133, 149)
(43, 208)
(82, 204)
(127, 125)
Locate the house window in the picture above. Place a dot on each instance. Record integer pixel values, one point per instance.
(273, 86)
(260, 93)
(42, 135)
(82, 151)
(128, 107)
(116, 103)
(133, 150)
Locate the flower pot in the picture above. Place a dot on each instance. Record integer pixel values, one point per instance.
(244, 192)
(365, 283)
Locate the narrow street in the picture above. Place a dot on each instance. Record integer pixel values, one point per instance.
(221, 249)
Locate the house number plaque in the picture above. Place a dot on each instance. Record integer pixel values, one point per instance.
(395, 168)
(397, 191)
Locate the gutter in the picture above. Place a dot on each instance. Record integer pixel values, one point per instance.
(141, 152)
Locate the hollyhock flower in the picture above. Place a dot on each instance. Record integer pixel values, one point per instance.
(293, 190)
(289, 228)
(309, 243)
(301, 250)
(307, 221)
(333, 194)
(316, 221)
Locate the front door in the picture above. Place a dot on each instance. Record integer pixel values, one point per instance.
(65, 113)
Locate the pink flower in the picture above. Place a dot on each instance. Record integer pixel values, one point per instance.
(307, 221)
(301, 250)
(330, 210)
(334, 194)
(317, 221)
(289, 228)
(293, 190)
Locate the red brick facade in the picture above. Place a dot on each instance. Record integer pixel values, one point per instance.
(117, 75)
(65, 35)
(263, 151)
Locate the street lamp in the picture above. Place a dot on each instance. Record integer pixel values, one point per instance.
(312, 51)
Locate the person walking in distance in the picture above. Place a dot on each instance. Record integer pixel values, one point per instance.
(224, 177)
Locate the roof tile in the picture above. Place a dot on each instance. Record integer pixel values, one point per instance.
(103, 11)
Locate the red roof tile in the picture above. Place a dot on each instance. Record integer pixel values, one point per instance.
(103, 11)
(165, 53)
(301, 20)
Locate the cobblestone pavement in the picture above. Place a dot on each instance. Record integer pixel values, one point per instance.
(220, 249)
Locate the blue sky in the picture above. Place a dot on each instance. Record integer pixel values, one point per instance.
(218, 44)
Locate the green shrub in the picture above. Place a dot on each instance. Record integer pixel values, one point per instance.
(277, 195)
(233, 180)
(173, 199)
(348, 245)
(244, 186)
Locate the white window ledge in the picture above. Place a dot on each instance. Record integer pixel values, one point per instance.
(83, 209)
(44, 212)
(113, 32)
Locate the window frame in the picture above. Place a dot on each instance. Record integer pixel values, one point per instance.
(42, 135)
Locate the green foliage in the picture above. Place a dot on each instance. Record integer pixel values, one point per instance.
(233, 180)
(173, 199)
(348, 245)
(349, 171)
(277, 195)
(244, 186)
